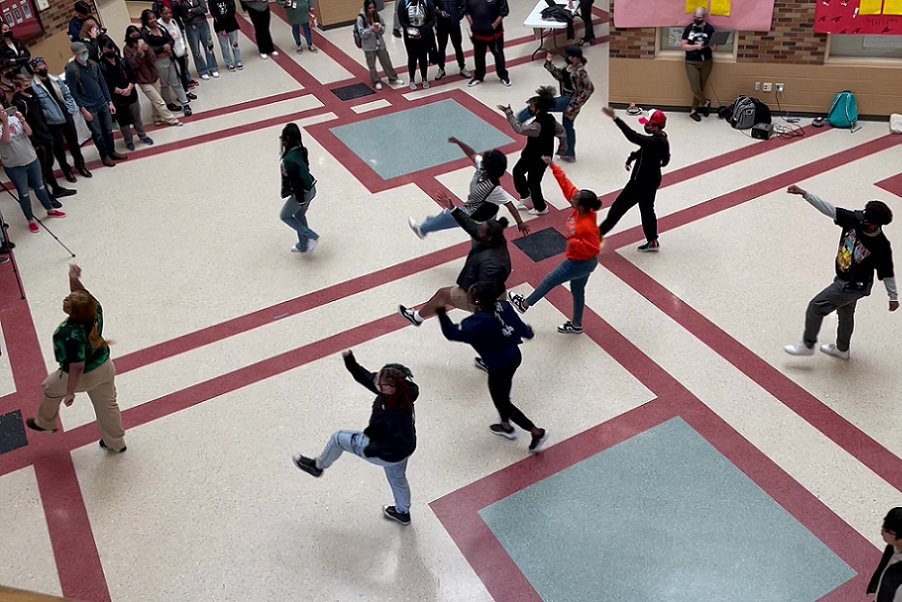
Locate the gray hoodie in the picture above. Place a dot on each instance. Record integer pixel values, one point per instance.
(370, 41)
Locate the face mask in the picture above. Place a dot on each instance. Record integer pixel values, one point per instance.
(134, 40)
(648, 130)
(7, 34)
(83, 57)
(698, 22)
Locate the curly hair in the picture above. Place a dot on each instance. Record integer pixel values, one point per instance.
(544, 98)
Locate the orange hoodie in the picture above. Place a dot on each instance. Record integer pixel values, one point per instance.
(583, 236)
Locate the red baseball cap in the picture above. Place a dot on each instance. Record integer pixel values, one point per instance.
(655, 117)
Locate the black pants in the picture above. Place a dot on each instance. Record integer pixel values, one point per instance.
(44, 151)
(417, 52)
(64, 135)
(181, 65)
(634, 194)
(497, 49)
(585, 13)
(260, 19)
(500, 383)
(528, 173)
(444, 29)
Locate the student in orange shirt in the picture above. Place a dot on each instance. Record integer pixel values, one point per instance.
(583, 246)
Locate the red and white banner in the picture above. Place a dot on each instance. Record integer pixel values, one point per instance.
(859, 17)
(743, 15)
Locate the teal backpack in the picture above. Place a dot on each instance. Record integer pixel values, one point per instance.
(844, 112)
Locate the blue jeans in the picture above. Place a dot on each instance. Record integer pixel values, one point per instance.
(295, 216)
(577, 274)
(229, 45)
(355, 442)
(560, 105)
(102, 130)
(26, 176)
(201, 42)
(308, 35)
(442, 221)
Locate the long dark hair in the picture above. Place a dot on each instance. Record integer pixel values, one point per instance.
(366, 13)
(291, 139)
(144, 14)
(132, 29)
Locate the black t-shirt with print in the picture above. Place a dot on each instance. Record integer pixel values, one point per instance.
(860, 254)
(699, 35)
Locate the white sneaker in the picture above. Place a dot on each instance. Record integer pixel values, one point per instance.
(831, 349)
(215, 74)
(275, 53)
(416, 228)
(378, 85)
(800, 349)
(264, 56)
(413, 85)
(524, 204)
(425, 84)
(538, 212)
(311, 244)
(205, 76)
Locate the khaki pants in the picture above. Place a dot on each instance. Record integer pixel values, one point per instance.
(385, 61)
(100, 385)
(698, 72)
(160, 111)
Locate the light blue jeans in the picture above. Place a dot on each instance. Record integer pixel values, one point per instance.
(201, 42)
(560, 105)
(295, 216)
(229, 46)
(577, 274)
(26, 176)
(442, 221)
(355, 442)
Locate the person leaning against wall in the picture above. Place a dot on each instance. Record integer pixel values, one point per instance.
(699, 60)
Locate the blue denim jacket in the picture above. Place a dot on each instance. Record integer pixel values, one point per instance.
(52, 111)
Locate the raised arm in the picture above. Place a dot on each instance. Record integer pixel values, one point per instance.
(452, 331)
(75, 284)
(530, 130)
(466, 222)
(467, 150)
(360, 374)
(815, 201)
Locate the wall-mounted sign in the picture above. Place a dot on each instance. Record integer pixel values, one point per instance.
(859, 17)
(730, 15)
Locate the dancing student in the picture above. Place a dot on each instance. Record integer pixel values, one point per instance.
(495, 331)
(863, 249)
(583, 247)
(388, 441)
(488, 263)
(298, 188)
(21, 164)
(84, 366)
(653, 154)
(370, 28)
(417, 19)
(484, 197)
(575, 88)
(540, 134)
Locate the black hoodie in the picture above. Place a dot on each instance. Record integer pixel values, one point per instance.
(392, 433)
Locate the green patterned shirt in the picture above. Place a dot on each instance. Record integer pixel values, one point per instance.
(71, 344)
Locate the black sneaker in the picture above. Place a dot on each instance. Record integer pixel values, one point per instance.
(308, 465)
(30, 423)
(391, 513)
(477, 361)
(695, 117)
(538, 442)
(63, 192)
(518, 301)
(408, 315)
(55, 203)
(174, 107)
(115, 451)
(507, 432)
(569, 328)
(6, 247)
(650, 247)
(506, 82)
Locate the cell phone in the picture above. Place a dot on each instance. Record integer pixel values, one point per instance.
(11, 111)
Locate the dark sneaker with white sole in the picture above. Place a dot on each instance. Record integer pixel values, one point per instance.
(115, 451)
(410, 316)
(538, 442)
(391, 513)
(507, 432)
(518, 301)
(477, 361)
(650, 247)
(308, 465)
(569, 328)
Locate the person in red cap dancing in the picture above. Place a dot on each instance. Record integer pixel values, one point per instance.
(653, 154)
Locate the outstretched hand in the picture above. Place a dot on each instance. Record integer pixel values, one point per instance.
(523, 228)
(74, 271)
(548, 160)
(445, 201)
(609, 112)
(347, 354)
(796, 190)
(453, 140)
(503, 108)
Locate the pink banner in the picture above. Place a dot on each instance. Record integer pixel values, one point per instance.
(856, 17)
(745, 15)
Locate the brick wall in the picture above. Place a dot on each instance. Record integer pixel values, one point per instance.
(55, 19)
(791, 39)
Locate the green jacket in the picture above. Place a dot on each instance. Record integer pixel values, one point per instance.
(299, 12)
(296, 178)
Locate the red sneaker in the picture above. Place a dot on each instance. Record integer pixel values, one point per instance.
(55, 213)
(33, 226)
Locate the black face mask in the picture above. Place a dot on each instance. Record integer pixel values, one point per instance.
(41, 72)
(699, 22)
(7, 34)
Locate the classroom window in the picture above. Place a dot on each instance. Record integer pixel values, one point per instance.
(887, 47)
(671, 37)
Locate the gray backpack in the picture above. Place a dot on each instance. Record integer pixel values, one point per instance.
(743, 115)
